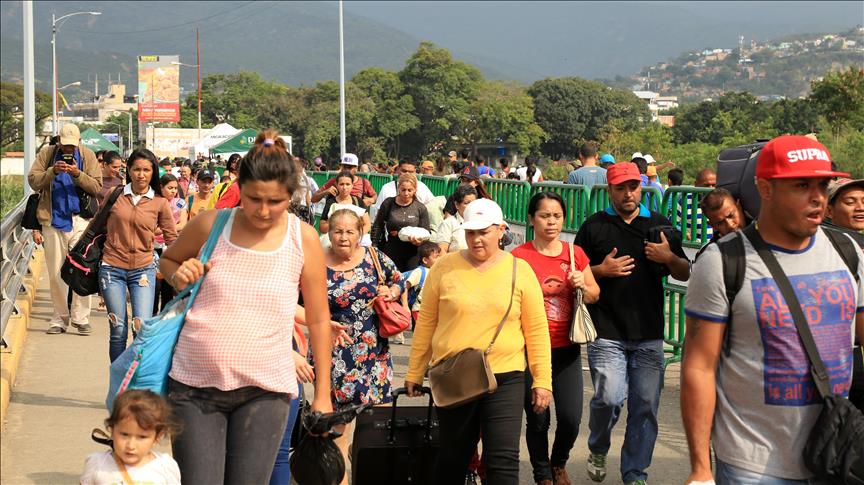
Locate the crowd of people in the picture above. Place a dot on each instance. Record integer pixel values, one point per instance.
(283, 305)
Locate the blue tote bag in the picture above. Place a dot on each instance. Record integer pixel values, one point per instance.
(146, 363)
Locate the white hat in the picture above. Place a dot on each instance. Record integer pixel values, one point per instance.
(648, 158)
(482, 213)
(350, 159)
(636, 155)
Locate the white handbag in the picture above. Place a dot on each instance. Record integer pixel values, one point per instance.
(582, 329)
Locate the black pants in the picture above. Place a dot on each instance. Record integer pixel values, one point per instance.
(229, 437)
(403, 253)
(164, 292)
(498, 416)
(856, 392)
(567, 394)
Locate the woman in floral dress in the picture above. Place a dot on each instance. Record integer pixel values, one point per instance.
(362, 369)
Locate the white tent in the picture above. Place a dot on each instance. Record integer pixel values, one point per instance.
(215, 136)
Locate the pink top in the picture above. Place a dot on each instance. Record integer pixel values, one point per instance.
(238, 332)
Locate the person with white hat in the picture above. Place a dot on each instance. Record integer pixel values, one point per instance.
(452, 320)
(362, 188)
(66, 176)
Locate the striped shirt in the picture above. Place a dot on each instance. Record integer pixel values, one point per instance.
(238, 332)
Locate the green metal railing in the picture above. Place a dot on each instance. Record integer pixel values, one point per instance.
(440, 185)
(377, 180)
(673, 333)
(681, 206)
(512, 196)
(319, 177)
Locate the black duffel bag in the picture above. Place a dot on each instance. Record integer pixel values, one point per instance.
(81, 269)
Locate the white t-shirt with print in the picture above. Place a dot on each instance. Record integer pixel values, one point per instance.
(101, 469)
(767, 402)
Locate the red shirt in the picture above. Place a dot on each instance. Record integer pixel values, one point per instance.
(558, 297)
(230, 198)
(362, 187)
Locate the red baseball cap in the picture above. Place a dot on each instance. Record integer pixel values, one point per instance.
(794, 156)
(622, 172)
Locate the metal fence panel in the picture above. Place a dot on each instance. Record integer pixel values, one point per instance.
(440, 185)
(681, 207)
(512, 196)
(17, 244)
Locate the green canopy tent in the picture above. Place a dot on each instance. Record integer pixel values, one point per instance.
(239, 143)
(94, 140)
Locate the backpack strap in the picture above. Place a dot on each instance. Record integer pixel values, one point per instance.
(734, 267)
(846, 248)
(422, 275)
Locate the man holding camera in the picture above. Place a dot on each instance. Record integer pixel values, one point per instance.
(67, 177)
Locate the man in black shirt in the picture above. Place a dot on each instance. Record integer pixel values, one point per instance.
(631, 249)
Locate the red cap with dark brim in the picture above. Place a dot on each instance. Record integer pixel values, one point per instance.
(795, 156)
(622, 172)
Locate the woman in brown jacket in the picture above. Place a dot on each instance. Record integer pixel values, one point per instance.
(127, 259)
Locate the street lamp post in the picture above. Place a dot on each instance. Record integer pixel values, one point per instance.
(198, 66)
(119, 134)
(55, 25)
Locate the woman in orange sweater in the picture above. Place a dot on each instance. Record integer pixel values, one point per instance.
(127, 259)
(453, 319)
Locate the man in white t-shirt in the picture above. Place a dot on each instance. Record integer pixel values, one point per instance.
(750, 393)
(423, 195)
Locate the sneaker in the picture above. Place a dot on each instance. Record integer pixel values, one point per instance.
(596, 467)
(55, 329)
(638, 482)
(83, 328)
(561, 477)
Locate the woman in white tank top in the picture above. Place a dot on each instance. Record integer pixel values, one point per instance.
(233, 375)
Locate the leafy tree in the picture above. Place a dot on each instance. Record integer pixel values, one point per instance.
(393, 111)
(233, 98)
(12, 115)
(442, 90)
(840, 98)
(794, 116)
(503, 112)
(121, 120)
(571, 110)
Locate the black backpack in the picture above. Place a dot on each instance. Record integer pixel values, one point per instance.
(736, 172)
(81, 269)
(735, 265)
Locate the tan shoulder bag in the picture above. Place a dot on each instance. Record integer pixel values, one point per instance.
(466, 376)
(582, 329)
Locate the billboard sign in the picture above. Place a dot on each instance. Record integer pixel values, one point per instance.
(158, 89)
(171, 142)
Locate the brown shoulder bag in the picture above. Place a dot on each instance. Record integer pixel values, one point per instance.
(467, 376)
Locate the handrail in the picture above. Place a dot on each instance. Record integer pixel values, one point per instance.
(17, 247)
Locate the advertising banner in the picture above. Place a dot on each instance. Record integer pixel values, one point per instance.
(172, 142)
(158, 89)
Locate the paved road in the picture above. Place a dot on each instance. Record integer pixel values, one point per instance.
(58, 400)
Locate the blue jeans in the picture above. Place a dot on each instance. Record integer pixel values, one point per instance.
(281, 474)
(631, 370)
(727, 474)
(114, 282)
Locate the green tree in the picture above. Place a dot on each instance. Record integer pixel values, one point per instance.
(839, 97)
(442, 90)
(233, 98)
(794, 116)
(572, 110)
(393, 111)
(12, 115)
(121, 120)
(503, 112)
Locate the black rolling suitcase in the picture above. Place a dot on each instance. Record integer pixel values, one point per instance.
(397, 445)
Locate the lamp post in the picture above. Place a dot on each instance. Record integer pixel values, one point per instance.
(55, 26)
(198, 66)
(119, 134)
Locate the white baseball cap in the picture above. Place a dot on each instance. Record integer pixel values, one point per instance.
(350, 159)
(482, 213)
(636, 155)
(648, 158)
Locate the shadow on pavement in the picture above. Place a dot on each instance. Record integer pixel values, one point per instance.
(51, 477)
(43, 400)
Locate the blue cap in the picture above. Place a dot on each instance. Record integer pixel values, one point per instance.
(607, 158)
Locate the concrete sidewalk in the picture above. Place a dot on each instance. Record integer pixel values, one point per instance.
(59, 394)
(58, 398)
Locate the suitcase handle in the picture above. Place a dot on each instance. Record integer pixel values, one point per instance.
(400, 391)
